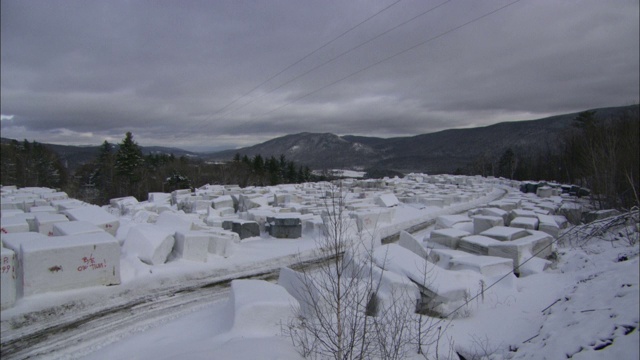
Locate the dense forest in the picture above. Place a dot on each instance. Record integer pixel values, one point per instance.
(122, 170)
(601, 154)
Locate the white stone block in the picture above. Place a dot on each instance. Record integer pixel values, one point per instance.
(44, 222)
(95, 215)
(409, 242)
(159, 198)
(124, 204)
(151, 244)
(443, 257)
(13, 224)
(260, 307)
(192, 245)
(484, 222)
(67, 204)
(386, 200)
(75, 228)
(504, 233)
(175, 221)
(447, 237)
(490, 266)
(537, 244)
(525, 223)
(53, 196)
(43, 209)
(544, 191)
(10, 212)
(448, 221)
(476, 244)
(69, 262)
(224, 201)
(222, 242)
(8, 278)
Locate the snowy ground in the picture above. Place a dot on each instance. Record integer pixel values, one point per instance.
(585, 307)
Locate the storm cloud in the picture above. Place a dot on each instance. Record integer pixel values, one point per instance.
(223, 74)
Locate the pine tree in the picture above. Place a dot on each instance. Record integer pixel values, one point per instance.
(129, 163)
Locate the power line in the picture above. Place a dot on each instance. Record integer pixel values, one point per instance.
(307, 56)
(393, 56)
(346, 52)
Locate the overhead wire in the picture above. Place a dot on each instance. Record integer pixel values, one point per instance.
(346, 52)
(392, 56)
(307, 56)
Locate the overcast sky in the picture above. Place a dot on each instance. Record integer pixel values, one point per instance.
(210, 73)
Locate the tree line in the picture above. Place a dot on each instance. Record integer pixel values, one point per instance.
(121, 169)
(601, 154)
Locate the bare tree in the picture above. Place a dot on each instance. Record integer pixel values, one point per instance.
(341, 313)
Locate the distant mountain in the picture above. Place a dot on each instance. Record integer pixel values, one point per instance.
(439, 152)
(433, 153)
(315, 150)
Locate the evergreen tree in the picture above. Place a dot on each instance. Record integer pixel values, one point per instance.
(128, 164)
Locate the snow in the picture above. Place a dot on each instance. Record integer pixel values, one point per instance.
(584, 306)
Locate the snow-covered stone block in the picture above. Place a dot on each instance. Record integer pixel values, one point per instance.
(448, 221)
(260, 307)
(10, 212)
(178, 195)
(52, 196)
(151, 244)
(447, 237)
(572, 212)
(537, 244)
(525, 223)
(247, 202)
(95, 215)
(192, 245)
(44, 222)
(484, 222)
(285, 226)
(548, 225)
(476, 244)
(224, 201)
(490, 266)
(504, 233)
(124, 204)
(431, 201)
(409, 242)
(43, 209)
(245, 228)
(175, 221)
(159, 198)
(75, 228)
(443, 257)
(313, 228)
(8, 278)
(442, 290)
(69, 262)
(221, 242)
(67, 204)
(13, 224)
(386, 200)
(504, 205)
(544, 191)
(534, 266)
(13, 242)
(301, 287)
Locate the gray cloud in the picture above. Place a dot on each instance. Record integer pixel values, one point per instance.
(178, 73)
